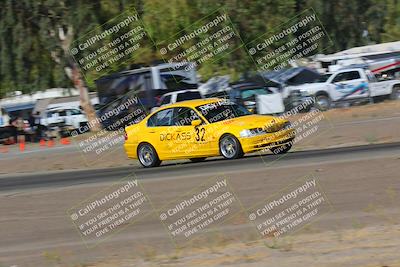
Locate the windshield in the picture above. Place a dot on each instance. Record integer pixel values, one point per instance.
(188, 96)
(222, 110)
(323, 78)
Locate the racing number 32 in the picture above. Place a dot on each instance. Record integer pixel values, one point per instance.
(200, 134)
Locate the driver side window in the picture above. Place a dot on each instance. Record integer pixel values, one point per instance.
(75, 112)
(347, 76)
(185, 116)
(166, 100)
(340, 77)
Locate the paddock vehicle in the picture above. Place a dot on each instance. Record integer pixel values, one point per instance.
(144, 86)
(347, 85)
(201, 128)
(5, 129)
(70, 117)
(178, 96)
(256, 98)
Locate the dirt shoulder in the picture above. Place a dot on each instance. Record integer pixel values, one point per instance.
(367, 247)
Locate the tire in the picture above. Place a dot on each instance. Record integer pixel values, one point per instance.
(197, 159)
(322, 102)
(306, 109)
(230, 147)
(147, 156)
(281, 149)
(395, 95)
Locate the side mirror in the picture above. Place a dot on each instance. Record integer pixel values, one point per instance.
(196, 122)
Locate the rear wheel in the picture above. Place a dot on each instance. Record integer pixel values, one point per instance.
(281, 149)
(147, 156)
(323, 102)
(230, 148)
(197, 159)
(395, 95)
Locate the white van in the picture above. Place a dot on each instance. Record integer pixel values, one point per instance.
(178, 96)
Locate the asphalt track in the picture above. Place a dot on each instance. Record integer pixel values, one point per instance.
(360, 183)
(210, 166)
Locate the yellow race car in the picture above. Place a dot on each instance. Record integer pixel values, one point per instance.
(197, 129)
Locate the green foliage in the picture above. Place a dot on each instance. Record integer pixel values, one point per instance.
(31, 57)
(392, 22)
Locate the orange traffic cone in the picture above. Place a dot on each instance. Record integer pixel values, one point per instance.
(42, 142)
(65, 141)
(50, 143)
(22, 146)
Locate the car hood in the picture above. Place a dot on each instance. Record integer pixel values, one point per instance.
(307, 86)
(252, 121)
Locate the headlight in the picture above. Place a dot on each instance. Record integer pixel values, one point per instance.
(245, 133)
(287, 125)
(252, 132)
(304, 92)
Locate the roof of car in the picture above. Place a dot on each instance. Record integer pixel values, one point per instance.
(191, 103)
(59, 109)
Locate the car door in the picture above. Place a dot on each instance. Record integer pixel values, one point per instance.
(77, 117)
(50, 117)
(378, 88)
(63, 118)
(188, 140)
(159, 131)
(350, 85)
(69, 119)
(55, 117)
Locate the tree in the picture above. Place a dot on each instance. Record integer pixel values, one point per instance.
(61, 36)
(392, 21)
(32, 57)
(73, 72)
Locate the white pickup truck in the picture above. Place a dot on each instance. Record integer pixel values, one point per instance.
(349, 85)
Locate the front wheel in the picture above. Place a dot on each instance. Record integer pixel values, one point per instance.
(395, 95)
(230, 148)
(323, 102)
(281, 149)
(147, 156)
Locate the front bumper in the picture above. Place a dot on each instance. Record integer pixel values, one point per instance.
(296, 98)
(266, 141)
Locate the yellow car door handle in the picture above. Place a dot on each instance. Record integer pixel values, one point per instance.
(152, 131)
